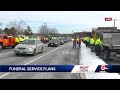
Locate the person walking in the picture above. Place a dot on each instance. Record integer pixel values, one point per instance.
(74, 43)
(79, 42)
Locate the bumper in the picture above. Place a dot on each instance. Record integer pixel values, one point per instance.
(17, 51)
(61, 43)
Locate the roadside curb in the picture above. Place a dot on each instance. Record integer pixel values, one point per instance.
(81, 75)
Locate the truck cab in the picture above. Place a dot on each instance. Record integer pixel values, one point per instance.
(6, 41)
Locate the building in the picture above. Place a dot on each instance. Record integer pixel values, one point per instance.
(82, 34)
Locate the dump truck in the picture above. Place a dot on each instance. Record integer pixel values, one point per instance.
(6, 41)
(110, 37)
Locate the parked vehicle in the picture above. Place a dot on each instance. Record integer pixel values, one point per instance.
(110, 37)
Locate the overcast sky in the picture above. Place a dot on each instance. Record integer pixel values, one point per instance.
(64, 21)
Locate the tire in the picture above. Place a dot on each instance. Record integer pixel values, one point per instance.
(56, 45)
(13, 46)
(41, 49)
(34, 53)
(1, 47)
(48, 45)
(106, 55)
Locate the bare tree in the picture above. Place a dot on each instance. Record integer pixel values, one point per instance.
(18, 25)
(1, 31)
(44, 30)
(53, 31)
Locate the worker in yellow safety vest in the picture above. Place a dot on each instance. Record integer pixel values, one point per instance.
(16, 40)
(26, 37)
(98, 43)
(87, 41)
(20, 39)
(84, 39)
(79, 42)
(38, 38)
(92, 41)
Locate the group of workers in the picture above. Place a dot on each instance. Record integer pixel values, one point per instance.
(77, 40)
(19, 39)
(94, 45)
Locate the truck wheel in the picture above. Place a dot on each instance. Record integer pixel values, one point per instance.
(1, 47)
(106, 55)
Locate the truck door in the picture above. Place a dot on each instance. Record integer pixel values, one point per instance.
(5, 41)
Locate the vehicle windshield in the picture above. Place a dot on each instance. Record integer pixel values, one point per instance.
(30, 42)
(53, 40)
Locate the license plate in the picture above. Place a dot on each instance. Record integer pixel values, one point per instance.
(20, 51)
(51, 44)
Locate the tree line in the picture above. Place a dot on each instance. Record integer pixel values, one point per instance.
(20, 27)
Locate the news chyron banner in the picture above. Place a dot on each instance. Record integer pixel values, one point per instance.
(61, 68)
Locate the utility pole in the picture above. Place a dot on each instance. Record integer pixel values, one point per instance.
(114, 22)
(110, 19)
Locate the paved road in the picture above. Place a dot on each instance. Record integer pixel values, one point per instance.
(64, 54)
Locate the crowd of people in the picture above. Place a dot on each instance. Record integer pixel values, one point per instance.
(94, 45)
(77, 41)
(20, 38)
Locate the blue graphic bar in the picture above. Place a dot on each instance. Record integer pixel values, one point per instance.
(36, 68)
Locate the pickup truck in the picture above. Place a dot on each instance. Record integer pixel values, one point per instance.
(6, 41)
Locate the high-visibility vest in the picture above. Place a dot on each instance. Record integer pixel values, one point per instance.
(77, 39)
(92, 41)
(38, 38)
(20, 39)
(16, 40)
(87, 39)
(84, 39)
(35, 39)
(26, 37)
(98, 41)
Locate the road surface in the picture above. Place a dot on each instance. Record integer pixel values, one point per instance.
(62, 55)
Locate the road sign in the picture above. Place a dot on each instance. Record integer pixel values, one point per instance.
(108, 19)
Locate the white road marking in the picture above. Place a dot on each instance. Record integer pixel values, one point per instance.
(41, 56)
(31, 61)
(4, 75)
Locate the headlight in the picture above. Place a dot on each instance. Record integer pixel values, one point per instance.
(16, 47)
(30, 48)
